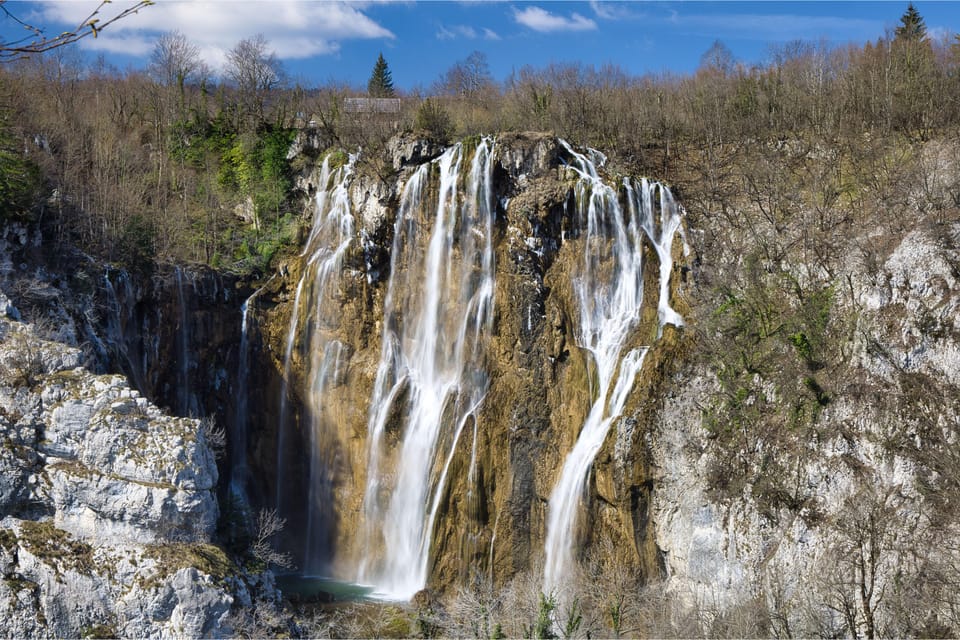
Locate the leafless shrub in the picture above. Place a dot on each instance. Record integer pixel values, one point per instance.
(361, 620)
(475, 611)
(24, 361)
(215, 436)
(268, 525)
(520, 600)
(263, 619)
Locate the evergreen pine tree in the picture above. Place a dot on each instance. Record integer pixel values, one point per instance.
(911, 26)
(381, 82)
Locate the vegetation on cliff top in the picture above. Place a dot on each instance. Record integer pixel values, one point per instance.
(170, 164)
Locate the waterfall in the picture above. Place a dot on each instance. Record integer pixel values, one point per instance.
(284, 419)
(430, 380)
(238, 439)
(122, 331)
(316, 300)
(239, 473)
(609, 292)
(186, 406)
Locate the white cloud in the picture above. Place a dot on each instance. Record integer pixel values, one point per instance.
(137, 45)
(456, 31)
(606, 10)
(295, 29)
(465, 31)
(541, 20)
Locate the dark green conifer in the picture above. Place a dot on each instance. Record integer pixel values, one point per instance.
(381, 81)
(912, 26)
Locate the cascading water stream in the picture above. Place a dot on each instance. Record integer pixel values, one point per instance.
(285, 391)
(316, 299)
(609, 291)
(122, 329)
(185, 404)
(238, 440)
(239, 473)
(437, 318)
(641, 205)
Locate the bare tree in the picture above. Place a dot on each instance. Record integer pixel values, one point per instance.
(467, 77)
(37, 42)
(215, 435)
(175, 60)
(255, 70)
(268, 525)
(718, 58)
(475, 612)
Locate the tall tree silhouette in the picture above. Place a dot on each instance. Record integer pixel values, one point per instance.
(911, 26)
(381, 81)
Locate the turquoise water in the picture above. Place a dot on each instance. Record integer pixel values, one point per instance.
(319, 589)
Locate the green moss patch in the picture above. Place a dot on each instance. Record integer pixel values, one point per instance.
(56, 546)
(207, 558)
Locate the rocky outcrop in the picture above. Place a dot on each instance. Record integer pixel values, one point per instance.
(173, 330)
(863, 519)
(407, 149)
(808, 472)
(174, 334)
(107, 505)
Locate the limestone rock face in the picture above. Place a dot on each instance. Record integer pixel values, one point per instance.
(869, 480)
(107, 505)
(174, 335)
(407, 149)
(173, 330)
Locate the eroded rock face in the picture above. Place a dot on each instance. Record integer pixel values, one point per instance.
(92, 468)
(174, 334)
(107, 505)
(408, 149)
(173, 330)
(652, 501)
(872, 479)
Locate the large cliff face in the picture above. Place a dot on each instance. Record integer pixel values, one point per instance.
(770, 428)
(173, 330)
(489, 490)
(174, 333)
(849, 526)
(804, 419)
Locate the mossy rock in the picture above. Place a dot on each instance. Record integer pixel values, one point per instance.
(207, 558)
(8, 540)
(47, 542)
(99, 631)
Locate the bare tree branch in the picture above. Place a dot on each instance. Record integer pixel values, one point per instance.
(37, 42)
(268, 525)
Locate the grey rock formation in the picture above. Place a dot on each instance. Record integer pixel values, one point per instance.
(107, 505)
(408, 149)
(866, 486)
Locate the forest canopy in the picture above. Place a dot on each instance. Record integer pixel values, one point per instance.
(195, 166)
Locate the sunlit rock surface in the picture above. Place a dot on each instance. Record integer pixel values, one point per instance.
(869, 526)
(655, 498)
(107, 504)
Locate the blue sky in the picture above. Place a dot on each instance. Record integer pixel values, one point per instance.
(321, 41)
